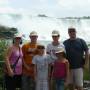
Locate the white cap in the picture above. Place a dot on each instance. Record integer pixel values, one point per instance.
(18, 35)
(60, 50)
(55, 33)
(33, 33)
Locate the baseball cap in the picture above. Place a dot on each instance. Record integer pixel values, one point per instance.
(33, 33)
(60, 50)
(55, 33)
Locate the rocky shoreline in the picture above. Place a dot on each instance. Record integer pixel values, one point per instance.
(86, 85)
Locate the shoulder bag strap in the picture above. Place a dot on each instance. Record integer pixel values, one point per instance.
(14, 65)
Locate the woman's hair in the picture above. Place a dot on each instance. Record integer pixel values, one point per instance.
(14, 41)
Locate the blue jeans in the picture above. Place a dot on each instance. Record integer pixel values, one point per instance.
(59, 84)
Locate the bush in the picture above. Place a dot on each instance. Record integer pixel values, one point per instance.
(3, 46)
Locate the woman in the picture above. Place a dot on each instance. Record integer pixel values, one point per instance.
(13, 62)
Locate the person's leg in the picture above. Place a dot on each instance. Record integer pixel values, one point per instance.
(32, 83)
(60, 84)
(51, 80)
(52, 84)
(45, 85)
(9, 83)
(26, 82)
(18, 81)
(79, 78)
(71, 80)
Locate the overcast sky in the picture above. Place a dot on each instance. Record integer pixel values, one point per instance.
(54, 8)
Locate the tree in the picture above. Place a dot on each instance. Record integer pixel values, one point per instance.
(6, 32)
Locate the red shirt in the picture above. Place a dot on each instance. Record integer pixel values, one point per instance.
(59, 70)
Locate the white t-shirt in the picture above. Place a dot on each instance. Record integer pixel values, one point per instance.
(52, 48)
(42, 65)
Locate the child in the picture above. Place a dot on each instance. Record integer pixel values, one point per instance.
(41, 62)
(60, 69)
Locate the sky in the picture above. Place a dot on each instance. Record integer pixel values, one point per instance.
(53, 8)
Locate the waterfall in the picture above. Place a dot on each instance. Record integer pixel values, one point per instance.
(45, 25)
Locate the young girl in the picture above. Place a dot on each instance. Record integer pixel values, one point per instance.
(60, 69)
(41, 62)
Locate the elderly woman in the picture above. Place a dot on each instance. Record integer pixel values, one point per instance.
(13, 62)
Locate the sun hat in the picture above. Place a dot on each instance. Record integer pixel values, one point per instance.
(33, 33)
(71, 29)
(55, 33)
(17, 35)
(60, 50)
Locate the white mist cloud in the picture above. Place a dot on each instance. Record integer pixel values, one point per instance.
(74, 4)
(3, 3)
(54, 8)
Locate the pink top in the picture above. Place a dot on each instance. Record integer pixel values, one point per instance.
(59, 70)
(14, 56)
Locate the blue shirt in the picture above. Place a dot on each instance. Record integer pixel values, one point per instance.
(75, 50)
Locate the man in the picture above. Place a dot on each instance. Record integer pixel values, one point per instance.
(51, 49)
(76, 48)
(29, 50)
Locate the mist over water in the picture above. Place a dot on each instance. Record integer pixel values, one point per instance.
(45, 25)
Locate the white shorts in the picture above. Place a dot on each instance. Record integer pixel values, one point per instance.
(76, 77)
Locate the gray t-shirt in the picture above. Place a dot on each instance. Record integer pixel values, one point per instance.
(42, 65)
(51, 49)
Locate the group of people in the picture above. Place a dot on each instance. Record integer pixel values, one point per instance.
(55, 67)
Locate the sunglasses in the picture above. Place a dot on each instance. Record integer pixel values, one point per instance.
(18, 38)
(71, 31)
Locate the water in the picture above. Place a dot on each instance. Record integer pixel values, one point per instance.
(45, 25)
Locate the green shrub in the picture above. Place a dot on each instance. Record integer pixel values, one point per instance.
(3, 46)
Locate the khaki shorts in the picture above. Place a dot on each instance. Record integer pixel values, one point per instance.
(76, 77)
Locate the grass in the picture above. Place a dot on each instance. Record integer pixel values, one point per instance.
(86, 74)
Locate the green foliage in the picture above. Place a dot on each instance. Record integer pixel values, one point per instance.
(86, 74)
(3, 46)
(6, 32)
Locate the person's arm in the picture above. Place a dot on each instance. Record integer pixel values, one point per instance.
(35, 66)
(24, 53)
(25, 65)
(86, 59)
(7, 62)
(67, 72)
(85, 48)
